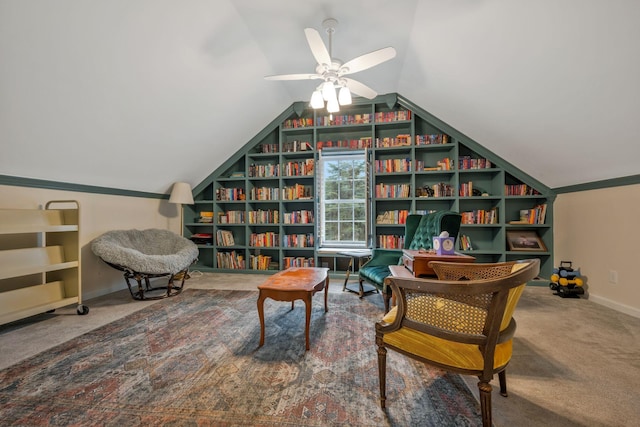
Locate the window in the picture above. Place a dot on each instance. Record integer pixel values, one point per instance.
(343, 189)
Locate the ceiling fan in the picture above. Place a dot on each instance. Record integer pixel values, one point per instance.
(332, 71)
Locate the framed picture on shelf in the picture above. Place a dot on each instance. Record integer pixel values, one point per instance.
(520, 240)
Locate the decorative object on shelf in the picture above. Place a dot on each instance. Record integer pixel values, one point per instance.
(336, 88)
(523, 240)
(181, 195)
(566, 281)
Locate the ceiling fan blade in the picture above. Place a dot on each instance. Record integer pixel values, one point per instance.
(368, 60)
(360, 89)
(318, 49)
(306, 76)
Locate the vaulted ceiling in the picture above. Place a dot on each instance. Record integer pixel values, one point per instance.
(138, 94)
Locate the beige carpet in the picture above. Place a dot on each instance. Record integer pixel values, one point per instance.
(575, 363)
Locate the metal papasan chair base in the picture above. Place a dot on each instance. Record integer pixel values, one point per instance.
(144, 290)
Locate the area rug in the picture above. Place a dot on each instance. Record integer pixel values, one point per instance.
(194, 360)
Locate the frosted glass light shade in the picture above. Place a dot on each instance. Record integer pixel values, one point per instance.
(316, 99)
(344, 97)
(328, 91)
(181, 194)
(333, 106)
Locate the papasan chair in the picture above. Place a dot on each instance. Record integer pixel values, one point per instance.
(147, 254)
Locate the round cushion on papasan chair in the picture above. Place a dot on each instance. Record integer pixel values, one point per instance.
(152, 251)
(145, 254)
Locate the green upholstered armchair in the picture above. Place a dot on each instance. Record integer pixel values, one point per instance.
(419, 233)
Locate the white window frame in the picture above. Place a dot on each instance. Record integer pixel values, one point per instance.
(337, 155)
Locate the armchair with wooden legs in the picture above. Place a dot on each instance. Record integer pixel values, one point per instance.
(460, 322)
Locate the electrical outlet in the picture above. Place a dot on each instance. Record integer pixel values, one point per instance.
(613, 277)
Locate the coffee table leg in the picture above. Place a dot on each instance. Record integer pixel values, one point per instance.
(307, 303)
(261, 299)
(326, 293)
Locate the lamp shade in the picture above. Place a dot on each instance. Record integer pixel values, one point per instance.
(333, 106)
(316, 99)
(344, 97)
(181, 194)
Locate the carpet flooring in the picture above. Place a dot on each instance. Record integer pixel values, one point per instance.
(194, 360)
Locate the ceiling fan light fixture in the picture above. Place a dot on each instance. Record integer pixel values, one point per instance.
(316, 99)
(344, 97)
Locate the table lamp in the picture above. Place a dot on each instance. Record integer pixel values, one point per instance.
(181, 195)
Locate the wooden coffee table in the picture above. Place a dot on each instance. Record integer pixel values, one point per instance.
(292, 284)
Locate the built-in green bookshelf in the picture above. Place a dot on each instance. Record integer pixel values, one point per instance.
(266, 192)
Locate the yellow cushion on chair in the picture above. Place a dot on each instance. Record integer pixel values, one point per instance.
(464, 356)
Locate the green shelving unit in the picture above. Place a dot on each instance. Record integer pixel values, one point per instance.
(419, 164)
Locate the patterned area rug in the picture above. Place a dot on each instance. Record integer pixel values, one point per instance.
(193, 360)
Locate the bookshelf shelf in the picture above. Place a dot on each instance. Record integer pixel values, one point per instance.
(432, 167)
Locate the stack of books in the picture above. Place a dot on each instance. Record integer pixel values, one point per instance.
(206, 217)
(202, 238)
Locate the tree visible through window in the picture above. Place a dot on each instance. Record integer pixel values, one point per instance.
(343, 207)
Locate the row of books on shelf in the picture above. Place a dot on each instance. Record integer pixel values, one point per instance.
(440, 189)
(480, 216)
(269, 216)
(536, 215)
(268, 148)
(520, 190)
(465, 243)
(432, 139)
(404, 165)
(224, 238)
(349, 119)
(344, 119)
(354, 144)
(287, 147)
(298, 217)
(388, 241)
(393, 217)
(301, 168)
(264, 170)
(392, 165)
(466, 162)
(294, 192)
(298, 240)
(466, 189)
(264, 240)
(390, 141)
(234, 261)
(270, 170)
(235, 193)
(392, 116)
(392, 191)
(232, 217)
(290, 261)
(265, 217)
(261, 262)
(295, 146)
(298, 123)
(230, 260)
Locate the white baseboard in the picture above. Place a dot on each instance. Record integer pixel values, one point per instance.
(631, 311)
